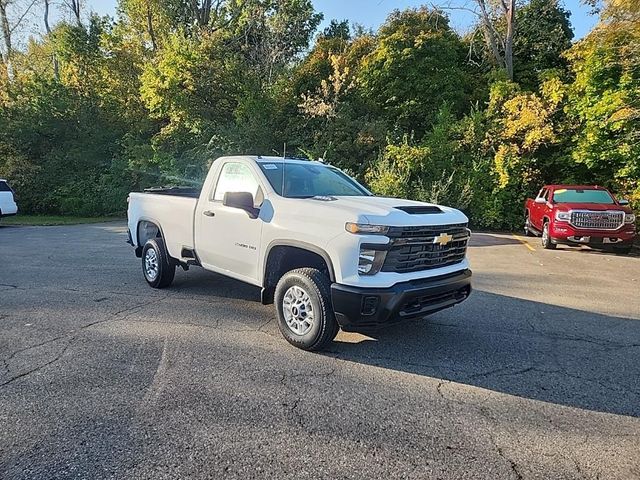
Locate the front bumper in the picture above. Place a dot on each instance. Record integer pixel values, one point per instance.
(358, 308)
(564, 233)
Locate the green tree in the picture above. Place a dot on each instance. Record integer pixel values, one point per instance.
(543, 34)
(604, 99)
(418, 64)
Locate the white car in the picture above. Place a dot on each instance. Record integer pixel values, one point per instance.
(326, 251)
(8, 205)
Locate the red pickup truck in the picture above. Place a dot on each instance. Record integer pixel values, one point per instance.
(580, 215)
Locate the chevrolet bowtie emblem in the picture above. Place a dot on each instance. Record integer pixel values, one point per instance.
(443, 239)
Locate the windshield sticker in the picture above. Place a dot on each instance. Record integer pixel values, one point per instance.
(269, 166)
(561, 190)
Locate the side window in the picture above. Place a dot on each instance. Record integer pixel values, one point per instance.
(543, 193)
(237, 177)
(546, 195)
(4, 187)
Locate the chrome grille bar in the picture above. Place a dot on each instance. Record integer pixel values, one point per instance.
(597, 220)
(414, 248)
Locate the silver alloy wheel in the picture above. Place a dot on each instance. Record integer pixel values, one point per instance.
(298, 310)
(545, 234)
(151, 266)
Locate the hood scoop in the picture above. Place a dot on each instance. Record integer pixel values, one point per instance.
(419, 209)
(324, 198)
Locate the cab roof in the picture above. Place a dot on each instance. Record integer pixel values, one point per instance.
(261, 159)
(272, 159)
(575, 187)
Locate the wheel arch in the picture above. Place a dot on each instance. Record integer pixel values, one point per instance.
(152, 229)
(285, 255)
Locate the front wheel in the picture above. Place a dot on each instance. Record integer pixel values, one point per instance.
(303, 306)
(546, 238)
(157, 266)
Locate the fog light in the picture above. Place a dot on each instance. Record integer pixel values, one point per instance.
(370, 305)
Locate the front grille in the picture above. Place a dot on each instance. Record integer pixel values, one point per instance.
(415, 248)
(597, 220)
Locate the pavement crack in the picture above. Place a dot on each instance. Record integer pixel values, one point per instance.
(512, 464)
(69, 334)
(39, 367)
(502, 372)
(264, 324)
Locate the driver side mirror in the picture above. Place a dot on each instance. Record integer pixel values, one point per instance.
(241, 200)
(540, 200)
(623, 201)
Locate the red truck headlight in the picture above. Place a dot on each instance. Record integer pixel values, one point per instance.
(563, 216)
(629, 218)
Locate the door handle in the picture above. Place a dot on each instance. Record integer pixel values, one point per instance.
(209, 213)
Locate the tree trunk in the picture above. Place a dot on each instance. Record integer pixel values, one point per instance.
(56, 69)
(74, 6)
(6, 36)
(510, 9)
(490, 34)
(152, 35)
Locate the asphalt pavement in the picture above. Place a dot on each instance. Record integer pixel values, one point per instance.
(536, 376)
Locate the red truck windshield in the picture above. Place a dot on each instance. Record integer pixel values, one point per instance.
(571, 195)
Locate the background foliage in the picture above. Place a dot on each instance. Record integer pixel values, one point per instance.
(92, 109)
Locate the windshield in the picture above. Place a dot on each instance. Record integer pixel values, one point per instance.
(565, 195)
(310, 180)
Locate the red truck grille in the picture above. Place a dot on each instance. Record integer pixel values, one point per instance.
(423, 248)
(608, 220)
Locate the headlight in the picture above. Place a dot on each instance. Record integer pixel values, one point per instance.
(364, 228)
(370, 261)
(563, 216)
(629, 218)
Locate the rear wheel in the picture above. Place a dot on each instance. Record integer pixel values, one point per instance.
(547, 242)
(303, 306)
(527, 226)
(157, 267)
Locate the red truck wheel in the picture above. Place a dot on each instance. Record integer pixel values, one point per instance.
(547, 242)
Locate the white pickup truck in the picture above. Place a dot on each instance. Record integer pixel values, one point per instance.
(8, 205)
(326, 251)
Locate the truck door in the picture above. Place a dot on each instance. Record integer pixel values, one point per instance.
(227, 239)
(537, 209)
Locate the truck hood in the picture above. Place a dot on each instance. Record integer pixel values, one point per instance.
(384, 211)
(597, 207)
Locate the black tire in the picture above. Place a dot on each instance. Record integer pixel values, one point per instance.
(527, 226)
(317, 287)
(547, 242)
(165, 268)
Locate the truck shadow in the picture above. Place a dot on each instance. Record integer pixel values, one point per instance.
(484, 239)
(635, 253)
(200, 282)
(519, 347)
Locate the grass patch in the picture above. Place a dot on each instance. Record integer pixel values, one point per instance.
(48, 220)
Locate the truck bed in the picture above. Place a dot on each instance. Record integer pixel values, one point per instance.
(172, 209)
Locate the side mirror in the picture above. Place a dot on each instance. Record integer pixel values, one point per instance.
(623, 201)
(540, 200)
(241, 200)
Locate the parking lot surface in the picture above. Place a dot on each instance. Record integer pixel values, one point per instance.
(536, 376)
